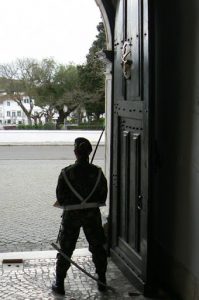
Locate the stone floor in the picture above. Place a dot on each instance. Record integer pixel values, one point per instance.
(32, 278)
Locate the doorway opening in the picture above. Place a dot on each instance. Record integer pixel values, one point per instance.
(31, 167)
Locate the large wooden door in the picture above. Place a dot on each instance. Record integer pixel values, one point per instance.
(130, 160)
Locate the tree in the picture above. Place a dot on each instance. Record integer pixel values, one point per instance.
(19, 77)
(37, 117)
(60, 92)
(54, 87)
(95, 109)
(44, 87)
(91, 75)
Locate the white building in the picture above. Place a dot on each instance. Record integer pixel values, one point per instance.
(12, 114)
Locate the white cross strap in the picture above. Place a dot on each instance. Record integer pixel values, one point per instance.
(83, 200)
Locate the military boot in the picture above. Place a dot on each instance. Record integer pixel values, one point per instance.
(58, 286)
(102, 278)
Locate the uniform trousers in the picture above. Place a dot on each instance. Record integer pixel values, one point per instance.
(90, 220)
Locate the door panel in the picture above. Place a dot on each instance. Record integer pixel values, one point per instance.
(129, 209)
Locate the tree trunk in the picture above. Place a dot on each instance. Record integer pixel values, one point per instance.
(97, 115)
(29, 120)
(60, 120)
(50, 119)
(79, 116)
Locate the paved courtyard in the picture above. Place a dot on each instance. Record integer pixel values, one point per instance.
(32, 280)
(28, 220)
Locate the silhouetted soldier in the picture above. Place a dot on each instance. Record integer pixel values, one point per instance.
(81, 189)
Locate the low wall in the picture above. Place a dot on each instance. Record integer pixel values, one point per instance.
(47, 137)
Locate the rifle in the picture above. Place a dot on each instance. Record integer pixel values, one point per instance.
(97, 145)
(80, 268)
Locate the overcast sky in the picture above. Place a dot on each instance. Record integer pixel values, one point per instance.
(63, 29)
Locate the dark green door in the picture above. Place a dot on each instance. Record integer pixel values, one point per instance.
(129, 209)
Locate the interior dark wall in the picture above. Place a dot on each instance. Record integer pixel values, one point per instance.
(176, 206)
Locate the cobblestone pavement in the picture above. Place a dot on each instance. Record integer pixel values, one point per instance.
(28, 220)
(32, 280)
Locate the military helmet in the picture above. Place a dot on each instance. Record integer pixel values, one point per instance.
(82, 146)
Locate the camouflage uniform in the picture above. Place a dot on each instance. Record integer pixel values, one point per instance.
(76, 183)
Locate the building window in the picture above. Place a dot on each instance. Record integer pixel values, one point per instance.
(13, 114)
(18, 113)
(8, 121)
(8, 103)
(8, 113)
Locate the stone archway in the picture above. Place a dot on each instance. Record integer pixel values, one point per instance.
(106, 24)
(108, 90)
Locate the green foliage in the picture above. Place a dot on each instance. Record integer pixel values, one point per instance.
(91, 75)
(46, 126)
(28, 127)
(86, 126)
(91, 125)
(49, 126)
(56, 85)
(60, 92)
(95, 108)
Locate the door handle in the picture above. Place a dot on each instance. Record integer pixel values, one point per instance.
(126, 59)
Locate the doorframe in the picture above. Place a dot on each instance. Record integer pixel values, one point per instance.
(108, 20)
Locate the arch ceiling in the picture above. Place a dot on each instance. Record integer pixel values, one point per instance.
(107, 12)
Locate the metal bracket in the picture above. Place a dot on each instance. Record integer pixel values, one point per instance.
(126, 59)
